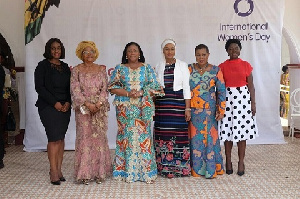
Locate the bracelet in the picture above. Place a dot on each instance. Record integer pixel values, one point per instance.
(188, 109)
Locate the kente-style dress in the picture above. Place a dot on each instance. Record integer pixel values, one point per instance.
(238, 123)
(208, 97)
(92, 155)
(172, 144)
(135, 158)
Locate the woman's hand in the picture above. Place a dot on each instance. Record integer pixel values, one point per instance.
(58, 106)
(219, 116)
(66, 107)
(92, 107)
(135, 94)
(253, 108)
(187, 115)
(98, 105)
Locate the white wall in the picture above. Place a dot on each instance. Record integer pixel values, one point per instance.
(12, 27)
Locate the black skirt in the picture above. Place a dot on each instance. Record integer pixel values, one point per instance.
(55, 122)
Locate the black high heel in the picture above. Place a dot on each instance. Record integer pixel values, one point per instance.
(62, 179)
(228, 172)
(55, 182)
(240, 173)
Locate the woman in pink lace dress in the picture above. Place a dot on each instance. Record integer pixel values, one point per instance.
(90, 102)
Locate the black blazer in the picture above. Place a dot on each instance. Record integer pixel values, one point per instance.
(44, 85)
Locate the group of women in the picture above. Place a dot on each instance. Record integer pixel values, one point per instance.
(193, 107)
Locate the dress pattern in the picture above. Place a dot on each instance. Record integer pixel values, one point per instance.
(134, 158)
(238, 123)
(171, 142)
(208, 97)
(92, 155)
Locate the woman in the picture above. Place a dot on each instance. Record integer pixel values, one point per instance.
(134, 83)
(208, 106)
(238, 124)
(52, 83)
(172, 112)
(284, 93)
(90, 102)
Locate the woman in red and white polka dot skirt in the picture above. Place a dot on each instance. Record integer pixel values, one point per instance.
(238, 124)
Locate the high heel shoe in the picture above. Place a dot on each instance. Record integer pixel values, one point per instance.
(62, 179)
(55, 182)
(229, 171)
(99, 180)
(240, 173)
(150, 182)
(85, 181)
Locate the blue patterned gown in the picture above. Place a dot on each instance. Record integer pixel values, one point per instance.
(135, 157)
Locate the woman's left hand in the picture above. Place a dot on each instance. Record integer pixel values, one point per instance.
(187, 115)
(66, 107)
(219, 116)
(135, 94)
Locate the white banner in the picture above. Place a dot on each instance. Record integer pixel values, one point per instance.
(112, 24)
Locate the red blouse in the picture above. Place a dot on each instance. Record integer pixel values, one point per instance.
(235, 72)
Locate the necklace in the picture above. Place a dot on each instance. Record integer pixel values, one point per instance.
(202, 68)
(171, 62)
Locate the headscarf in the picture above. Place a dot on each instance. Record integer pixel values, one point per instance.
(82, 45)
(161, 65)
(164, 43)
(167, 41)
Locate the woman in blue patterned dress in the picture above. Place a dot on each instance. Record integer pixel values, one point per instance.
(134, 83)
(208, 106)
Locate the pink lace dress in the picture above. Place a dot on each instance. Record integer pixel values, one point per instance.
(92, 155)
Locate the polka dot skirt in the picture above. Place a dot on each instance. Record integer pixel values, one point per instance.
(238, 123)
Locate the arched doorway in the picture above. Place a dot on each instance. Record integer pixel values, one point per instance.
(291, 57)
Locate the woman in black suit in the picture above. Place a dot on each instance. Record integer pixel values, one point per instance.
(52, 83)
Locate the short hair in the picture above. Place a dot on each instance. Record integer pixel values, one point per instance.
(233, 41)
(141, 58)
(47, 53)
(285, 68)
(202, 46)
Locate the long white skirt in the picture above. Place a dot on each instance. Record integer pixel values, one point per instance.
(238, 123)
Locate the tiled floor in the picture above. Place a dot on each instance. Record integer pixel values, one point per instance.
(272, 171)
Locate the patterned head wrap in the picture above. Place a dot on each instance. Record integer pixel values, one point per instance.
(82, 45)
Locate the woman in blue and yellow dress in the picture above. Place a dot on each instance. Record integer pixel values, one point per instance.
(134, 83)
(207, 107)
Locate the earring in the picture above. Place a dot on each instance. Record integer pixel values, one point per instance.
(139, 57)
(126, 57)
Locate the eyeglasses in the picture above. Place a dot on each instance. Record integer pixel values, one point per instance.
(88, 52)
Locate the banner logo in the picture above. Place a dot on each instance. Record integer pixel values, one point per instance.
(243, 14)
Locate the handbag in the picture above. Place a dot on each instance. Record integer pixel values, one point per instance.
(10, 121)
